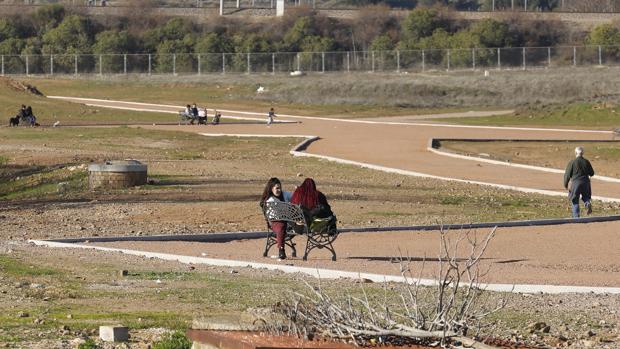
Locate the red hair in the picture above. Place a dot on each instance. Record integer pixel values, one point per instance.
(306, 195)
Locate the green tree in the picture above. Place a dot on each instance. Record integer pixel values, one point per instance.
(608, 36)
(12, 46)
(419, 24)
(48, 17)
(11, 49)
(74, 35)
(382, 43)
(491, 33)
(604, 35)
(317, 43)
(174, 29)
(303, 27)
(111, 44)
(7, 30)
(250, 43)
(211, 46)
(175, 55)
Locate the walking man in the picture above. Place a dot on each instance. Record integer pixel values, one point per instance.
(270, 116)
(578, 173)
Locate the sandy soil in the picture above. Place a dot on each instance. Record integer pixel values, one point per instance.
(572, 254)
(579, 254)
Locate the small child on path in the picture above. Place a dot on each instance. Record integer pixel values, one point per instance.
(270, 117)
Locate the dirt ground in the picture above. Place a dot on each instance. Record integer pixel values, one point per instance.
(575, 254)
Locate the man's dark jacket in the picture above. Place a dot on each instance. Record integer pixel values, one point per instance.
(579, 170)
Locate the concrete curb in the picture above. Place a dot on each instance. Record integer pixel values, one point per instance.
(334, 274)
(433, 147)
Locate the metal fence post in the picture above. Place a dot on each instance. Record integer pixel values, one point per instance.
(323, 62)
(448, 59)
(548, 56)
(348, 62)
(174, 64)
(76, 67)
(473, 58)
(398, 61)
(199, 71)
(523, 54)
(273, 63)
(600, 57)
(223, 63)
(298, 66)
(372, 61)
(2, 65)
(101, 65)
(574, 55)
(499, 59)
(51, 64)
(423, 61)
(150, 59)
(125, 64)
(249, 69)
(27, 65)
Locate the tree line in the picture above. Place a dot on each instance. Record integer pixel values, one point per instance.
(54, 29)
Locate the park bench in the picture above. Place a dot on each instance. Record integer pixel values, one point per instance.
(320, 233)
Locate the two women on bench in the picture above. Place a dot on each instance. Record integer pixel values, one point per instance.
(312, 202)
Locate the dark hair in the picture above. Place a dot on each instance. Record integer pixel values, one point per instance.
(267, 193)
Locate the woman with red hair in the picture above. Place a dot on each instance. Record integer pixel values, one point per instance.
(313, 202)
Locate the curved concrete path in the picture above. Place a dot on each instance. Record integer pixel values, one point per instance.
(402, 146)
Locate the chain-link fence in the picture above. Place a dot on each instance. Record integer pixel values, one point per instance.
(311, 62)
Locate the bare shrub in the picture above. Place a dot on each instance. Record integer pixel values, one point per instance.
(446, 312)
(372, 21)
(141, 15)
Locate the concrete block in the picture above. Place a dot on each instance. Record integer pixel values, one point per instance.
(113, 333)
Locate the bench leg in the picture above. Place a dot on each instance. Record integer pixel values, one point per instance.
(311, 245)
(270, 242)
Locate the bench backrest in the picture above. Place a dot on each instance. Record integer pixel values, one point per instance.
(283, 211)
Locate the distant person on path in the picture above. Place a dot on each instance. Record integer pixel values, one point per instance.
(578, 173)
(273, 192)
(216, 117)
(270, 116)
(202, 116)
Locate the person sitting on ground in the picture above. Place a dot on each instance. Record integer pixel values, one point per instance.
(22, 114)
(216, 117)
(273, 192)
(202, 116)
(32, 120)
(313, 203)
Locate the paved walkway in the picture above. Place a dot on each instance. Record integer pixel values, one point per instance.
(402, 145)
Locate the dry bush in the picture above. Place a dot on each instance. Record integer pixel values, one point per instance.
(372, 21)
(141, 15)
(448, 312)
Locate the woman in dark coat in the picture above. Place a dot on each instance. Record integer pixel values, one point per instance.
(312, 202)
